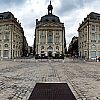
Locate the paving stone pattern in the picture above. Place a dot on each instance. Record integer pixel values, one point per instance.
(18, 77)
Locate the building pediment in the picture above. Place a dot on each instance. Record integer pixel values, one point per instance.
(50, 25)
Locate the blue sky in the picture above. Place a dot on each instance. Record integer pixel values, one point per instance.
(70, 12)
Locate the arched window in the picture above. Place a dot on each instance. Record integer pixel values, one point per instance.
(50, 37)
(57, 47)
(50, 48)
(6, 45)
(57, 38)
(93, 36)
(42, 37)
(42, 47)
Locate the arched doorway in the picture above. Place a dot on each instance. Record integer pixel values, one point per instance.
(50, 49)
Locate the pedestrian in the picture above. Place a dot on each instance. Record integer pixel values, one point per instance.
(99, 59)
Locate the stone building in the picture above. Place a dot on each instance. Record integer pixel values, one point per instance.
(73, 46)
(49, 35)
(11, 36)
(89, 36)
(25, 47)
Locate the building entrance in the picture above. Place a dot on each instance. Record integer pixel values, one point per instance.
(49, 53)
(50, 49)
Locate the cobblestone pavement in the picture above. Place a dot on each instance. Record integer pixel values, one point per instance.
(18, 77)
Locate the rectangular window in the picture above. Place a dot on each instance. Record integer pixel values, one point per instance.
(93, 36)
(57, 40)
(98, 53)
(7, 27)
(50, 37)
(93, 28)
(93, 54)
(6, 36)
(5, 53)
(42, 39)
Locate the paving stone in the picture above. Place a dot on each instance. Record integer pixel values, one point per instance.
(18, 77)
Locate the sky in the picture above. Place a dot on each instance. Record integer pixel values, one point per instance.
(70, 12)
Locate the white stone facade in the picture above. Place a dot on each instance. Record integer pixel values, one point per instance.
(49, 35)
(89, 38)
(11, 38)
(51, 39)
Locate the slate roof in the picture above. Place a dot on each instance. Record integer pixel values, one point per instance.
(50, 18)
(94, 15)
(6, 15)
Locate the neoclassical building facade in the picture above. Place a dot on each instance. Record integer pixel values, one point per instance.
(11, 36)
(89, 36)
(49, 35)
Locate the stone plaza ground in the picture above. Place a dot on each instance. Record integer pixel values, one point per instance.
(18, 77)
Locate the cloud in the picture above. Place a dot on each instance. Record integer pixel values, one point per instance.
(7, 5)
(12, 2)
(28, 19)
(67, 6)
(46, 1)
(29, 33)
(70, 12)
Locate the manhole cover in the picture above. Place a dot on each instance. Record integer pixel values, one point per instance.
(51, 91)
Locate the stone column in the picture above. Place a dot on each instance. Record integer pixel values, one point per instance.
(53, 42)
(46, 36)
(53, 37)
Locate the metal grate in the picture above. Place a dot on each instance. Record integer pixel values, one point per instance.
(51, 91)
